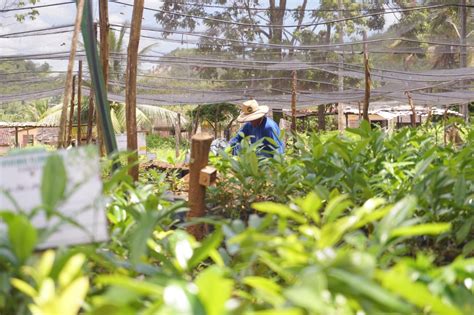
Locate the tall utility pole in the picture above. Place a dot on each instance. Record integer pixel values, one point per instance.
(131, 85)
(79, 104)
(340, 106)
(463, 59)
(293, 101)
(367, 80)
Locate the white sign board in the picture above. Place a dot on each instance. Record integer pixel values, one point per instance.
(141, 141)
(20, 179)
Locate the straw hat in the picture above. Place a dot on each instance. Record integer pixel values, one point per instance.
(251, 111)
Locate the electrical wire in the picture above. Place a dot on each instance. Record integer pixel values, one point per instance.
(36, 6)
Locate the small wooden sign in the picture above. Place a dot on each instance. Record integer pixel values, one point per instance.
(20, 190)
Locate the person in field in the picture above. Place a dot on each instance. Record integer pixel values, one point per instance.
(258, 126)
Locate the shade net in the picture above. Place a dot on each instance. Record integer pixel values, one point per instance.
(209, 52)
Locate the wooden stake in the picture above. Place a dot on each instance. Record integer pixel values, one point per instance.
(67, 89)
(200, 145)
(177, 134)
(412, 106)
(131, 87)
(340, 106)
(104, 38)
(293, 101)
(365, 111)
(71, 111)
(79, 105)
(90, 116)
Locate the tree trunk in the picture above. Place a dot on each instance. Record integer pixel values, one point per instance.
(131, 87)
(67, 89)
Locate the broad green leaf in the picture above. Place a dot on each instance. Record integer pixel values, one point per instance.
(311, 205)
(399, 282)
(73, 296)
(46, 264)
(140, 287)
(464, 230)
(278, 311)
(468, 248)
(23, 237)
(355, 284)
(71, 269)
(335, 207)
(266, 289)
(204, 250)
(214, 290)
(280, 210)
(53, 183)
(421, 229)
(24, 287)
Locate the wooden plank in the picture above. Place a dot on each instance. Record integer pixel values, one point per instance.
(200, 145)
(131, 87)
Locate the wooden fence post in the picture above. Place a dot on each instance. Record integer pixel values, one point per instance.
(200, 146)
(71, 111)
(177, 134)
(79, 105)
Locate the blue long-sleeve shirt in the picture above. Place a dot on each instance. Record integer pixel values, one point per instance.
(267, 129)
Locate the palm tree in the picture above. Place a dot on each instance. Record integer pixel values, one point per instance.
(147, 116)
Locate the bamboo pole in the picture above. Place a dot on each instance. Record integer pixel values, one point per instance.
(67, 89)
(293, 101)
(71, 111)
(131, 85)
(79, 104)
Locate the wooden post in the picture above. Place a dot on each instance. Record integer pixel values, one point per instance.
(90, 116)
(17, 143)
(413, 112)
(340, 105)
(79, 105)
(104, 38)
(463, 56)
(67, 89)
(293, 101)
(131, 85)
(200, 145)
(177, 134)
(365, 111)
(71, 111)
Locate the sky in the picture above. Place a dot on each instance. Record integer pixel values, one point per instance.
(65, 14)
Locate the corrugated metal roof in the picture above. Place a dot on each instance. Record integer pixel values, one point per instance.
(30, 124)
